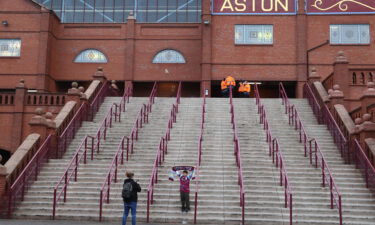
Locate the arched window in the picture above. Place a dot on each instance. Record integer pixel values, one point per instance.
(169, 56)
(90, 56)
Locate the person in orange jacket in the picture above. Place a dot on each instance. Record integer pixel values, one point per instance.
(246, 89)
(224, 88)
(241, 89)
(231, 82)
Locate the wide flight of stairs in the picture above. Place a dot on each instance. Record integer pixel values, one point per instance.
(311, 200)
(218, 199)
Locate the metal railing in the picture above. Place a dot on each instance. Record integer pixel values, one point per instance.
(199, 159)
(339, 138)
(364, 164)
(119, 155)
(351, 150)
(237, 153)
(28, 175)
(161, 152)
(85, 112)
(276, 154)
(88, 143)
(296, 121)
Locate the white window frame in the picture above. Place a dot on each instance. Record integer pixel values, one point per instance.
(177, 57)
(243, 30)
(80, 58)
(16, 41)
(340, 29)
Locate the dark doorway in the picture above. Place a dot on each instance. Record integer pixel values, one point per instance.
(167, 89)
(191, 89)
(5, 155)
(267, 89)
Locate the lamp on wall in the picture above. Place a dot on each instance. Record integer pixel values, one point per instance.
(5, 23)
(206, 22)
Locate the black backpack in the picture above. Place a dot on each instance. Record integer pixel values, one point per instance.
(127, 190)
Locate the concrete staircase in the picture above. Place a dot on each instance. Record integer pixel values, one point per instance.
(264, 195)
(82, 195)
(311, 202)
(218, 201)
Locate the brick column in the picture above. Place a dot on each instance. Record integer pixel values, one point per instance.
(38, 124)
(368, 97)
(129, 51)
(341, 72)
(367, 130)
(43, 50)
(206, 48)
(301, 48)
(17, 125)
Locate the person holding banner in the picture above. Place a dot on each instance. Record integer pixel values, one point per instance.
(185, 176)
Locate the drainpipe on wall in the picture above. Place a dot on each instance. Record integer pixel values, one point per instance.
(308, 54)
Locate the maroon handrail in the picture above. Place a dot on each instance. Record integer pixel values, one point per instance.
(199, 159)
(276, 153)
(308, 93)
(119, 155)
(161, 152)
(353, 154)
(85, 112)
(28, 175)
(81, 153)
(296, 121)
(327, 176)
(339, 138)
(363, 163)
(237, 153)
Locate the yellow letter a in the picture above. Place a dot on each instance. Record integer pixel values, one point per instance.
(227, 5)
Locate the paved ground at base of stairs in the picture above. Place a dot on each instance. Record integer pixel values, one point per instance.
(63, 222)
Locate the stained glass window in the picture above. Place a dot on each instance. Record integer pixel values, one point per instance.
(10, 47)
(253, 34)
(169, 56)
(350, 34)
(91, 56)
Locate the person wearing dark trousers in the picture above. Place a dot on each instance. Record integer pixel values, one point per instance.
(185, 178)
(130, 197)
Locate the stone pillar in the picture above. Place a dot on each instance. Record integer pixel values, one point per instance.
(336, 96)
(313, 75)
(206, 47)
(3, 176)
(19, 103)
(367, 130)
(301, 48)
(38, 124)
(51, 129)
(74, 93)
(368, 97)
(129, 51)
(341, 72)
(99, 75)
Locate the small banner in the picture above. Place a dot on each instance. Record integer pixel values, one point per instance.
(340, 6)
(254, 7)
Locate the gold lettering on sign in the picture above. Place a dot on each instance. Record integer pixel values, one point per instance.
(253, 5)
(242, 5)
(342, 5)
(227, 5)
(270, 8)
(279, 3)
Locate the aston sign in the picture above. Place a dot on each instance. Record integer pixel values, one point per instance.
(253, 7)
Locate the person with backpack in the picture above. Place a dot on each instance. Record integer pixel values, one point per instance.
(130, 197)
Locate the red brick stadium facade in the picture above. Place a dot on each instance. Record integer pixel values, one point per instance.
(300, 42)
